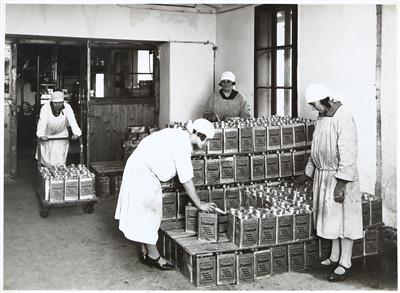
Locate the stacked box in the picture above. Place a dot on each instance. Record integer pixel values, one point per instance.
(231, 140)
(198, 171)
(284, 228)
(242, 168)
(204, 194)
(227, 170)
(260, 138)
(371, 239)
(296, 257)
(267, 230)
(358, 248)
(310, 126)
(272, 166)
(366, 213)
(182, 200)
(71, 187)
(226, 268)
(287, 136)
(376, 211)
(324, 248)
(302, 226)
(299, 135)
(169, 202)
(285, 164)
(56, 192)
(246, 232)
(208, 227)
(257, 167)
(311, 252)
(232, 198)
(279, 259)
(215, 145)
(299, 158)
(191, 218)
(205, 267)
(263, 264)
(273, 138)
(245, 267)
(217, 197)
(213, 171)
(245, 140)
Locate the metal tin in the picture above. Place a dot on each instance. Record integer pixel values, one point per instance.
(182, 199)
(311, 250)
(257, 167)
(287, 136)
(71, 188)
(191, 218)
(245, 268)
(213, 171)
(215, 145)
(226, 268)
(267, 230)
(263, 263)
(371, 240)
(198, 171)
(205, 270)
(260, 139)
(56, 192)
(358, 248)
(272, 166)
(242, 168)
(299, 158)
(300, 137)
(284, 228)
(285, 164)
(245, 140)
(296, 257)
(273, 138)
(227, 170)
(103, 185)
(208, 227)
(86, 186)
(231, 140)
(217, 197)
(169, 205)
(376, 211)
(279, 259)
(366, 213)
(246, 232)
(232, 198)
(203, 194)
(231, 227)
(302, 226)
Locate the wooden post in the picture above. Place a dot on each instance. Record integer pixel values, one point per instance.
(378, 182)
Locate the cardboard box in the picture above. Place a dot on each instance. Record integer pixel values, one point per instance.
(311, 250)
(260, 138)
(371, 241)
(257, 167)
(231, 140)
(246, 232)
(217, 197)
(284, 228)
(263, 263)
(302, 226)
(267, 230)
(245, 267)
(242, 168)
(232, 198)
(300, 137)
(285, 165)
(296, 257)
(287, 136)
(273, 138)
(299, 162)
(245, 140)
(358, 248)
(205, 270)
(213, 171)
(226, 268)
(169, 203)
(227, 170)
(208, 227)
(56, 193)
(272, 166)
(198, 171)
(279, 259)
(325, 246)
(183, 200)
(215, 145)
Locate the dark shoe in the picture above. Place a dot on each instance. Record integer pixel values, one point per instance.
(142, 257)
(333, 277)
(156, 263)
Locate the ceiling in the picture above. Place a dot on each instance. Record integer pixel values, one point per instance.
(194, 8)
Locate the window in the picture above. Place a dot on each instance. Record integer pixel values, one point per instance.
(275, 60)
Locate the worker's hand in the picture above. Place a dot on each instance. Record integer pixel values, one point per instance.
(44, 138)
(75, 137)
(302, 179)
(338, 193)
(207, 207)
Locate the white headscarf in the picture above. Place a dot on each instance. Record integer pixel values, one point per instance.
(317, 91)
(201, 125)
(57, 97)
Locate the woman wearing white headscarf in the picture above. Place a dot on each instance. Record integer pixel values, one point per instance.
(158, 157)
(227, 102)
(333, 167)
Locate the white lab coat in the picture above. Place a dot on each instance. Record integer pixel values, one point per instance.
(158, 157)
(55, 152)
(334, 155)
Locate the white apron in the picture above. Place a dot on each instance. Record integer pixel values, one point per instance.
(334, 155)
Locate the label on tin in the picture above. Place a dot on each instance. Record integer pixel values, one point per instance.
(376, 211)
(204, 195)
(232, 198)
(86, 187)
(226, 268)
(71, 189)
(279, 259)
(56, 190)
(208, 227)
(302, 226)
(191, 219)
(274, 138)
(206, 271)
(213, 172)
(263, 263)
(286, 165)
(260, 139)
(246, 232)
(215, 144)
(267, 230)
(169, 206)
(287, 136)
(198, 172)
(312, 254)
(366, 213)
(272, 166)
(217, 197)
(285, 228)
(227, 170)
(242, 166)
(246, 140)
(299, 135)
(258, 167)
(231, 140)
(296, 257)
(245, 269)
(299, 162)
(370, 242)
(358, 248)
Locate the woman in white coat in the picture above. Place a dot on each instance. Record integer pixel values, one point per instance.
(55, 117)
(333, 167)
(158, 157)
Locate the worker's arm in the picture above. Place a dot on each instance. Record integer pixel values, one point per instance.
(42, 123)
(72, 121)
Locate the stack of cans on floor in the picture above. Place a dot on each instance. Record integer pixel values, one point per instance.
(133, 135)
(66, 183)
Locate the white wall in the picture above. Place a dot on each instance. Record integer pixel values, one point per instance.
(235, 41)
(337, 47)
(389, 96)
(164, 115)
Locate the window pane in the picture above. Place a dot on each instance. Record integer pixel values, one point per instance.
(284, 102)
(264, 68)
(284, 67)
(264, 19)
(283, 27)
(145, 63)
(264, 102)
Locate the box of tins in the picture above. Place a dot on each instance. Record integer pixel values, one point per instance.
(246, 229)
(169, 203)
(259, 138)
(284, 225)
(285, 164)
(257, 167)
(300, 138)
(262, 263)
(358, 248)
(56, 191)
(208, 227)
(227, 170)
(205, 268)
(71, 186)
(310, 126)
(287, 136)
(245, 140)
(366, 211)
(204, 193)
(279, 258)
(217, 197)
(311, 252)
(232, 197)
(213, 171)
(191, 218)
(296, 257)
(215, 145)
(376, 210)
(182, 201)
(267, 229)
(272, 166)
(371, 240)
(245, 267)
(198, 171)
(324, 248)
(231, 140)
(299, 161)
(226, 268)
(302, 224)
(242, 168)
(273, 138)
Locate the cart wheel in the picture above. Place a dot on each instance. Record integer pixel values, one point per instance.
(44, 213)
(89, 209)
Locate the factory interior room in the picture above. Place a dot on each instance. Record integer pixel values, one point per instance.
(200, 146)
